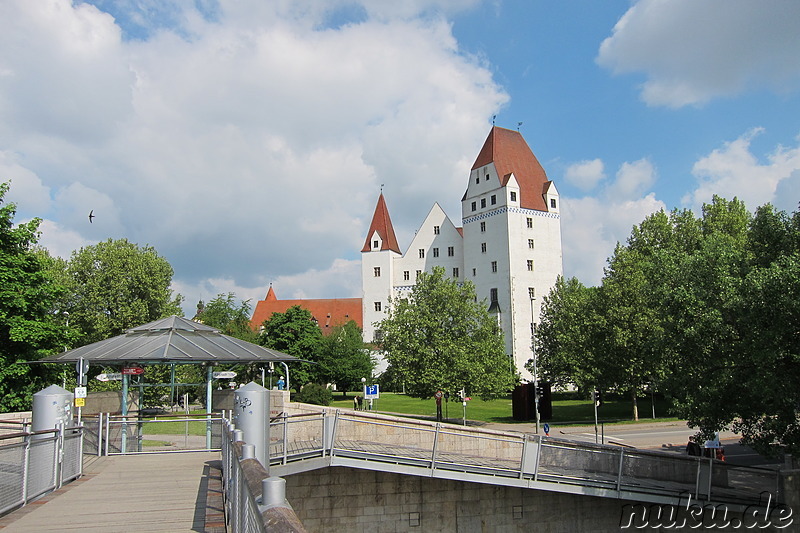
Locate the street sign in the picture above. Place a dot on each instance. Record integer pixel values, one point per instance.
(80, 392)
(82, 366)
(223, 375)
(133, 370)
(116, 376)
(371, 392)
(546, 429)
(80, 402)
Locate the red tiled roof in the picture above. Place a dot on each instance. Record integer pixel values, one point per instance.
(383, 225)
(511, 154)
(329, 313)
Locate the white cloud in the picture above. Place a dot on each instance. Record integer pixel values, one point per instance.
(633, 179)
(692, 52)
(591, 226)
(733, 170)
(61, 242)
(585, 175)
(248, 144)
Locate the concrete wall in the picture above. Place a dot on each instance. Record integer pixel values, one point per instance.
(352, 500)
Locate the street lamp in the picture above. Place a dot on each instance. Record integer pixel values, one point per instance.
(535, 366)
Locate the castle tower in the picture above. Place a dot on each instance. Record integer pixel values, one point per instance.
(377, 270)
(512, 237)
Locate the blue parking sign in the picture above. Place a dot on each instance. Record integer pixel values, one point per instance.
(371, 392)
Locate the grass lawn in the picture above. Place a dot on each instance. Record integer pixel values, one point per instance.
(499, 410)
(175, 427)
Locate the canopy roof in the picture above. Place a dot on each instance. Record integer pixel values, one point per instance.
(171, 340)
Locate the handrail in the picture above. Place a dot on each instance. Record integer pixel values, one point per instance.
(519, 459)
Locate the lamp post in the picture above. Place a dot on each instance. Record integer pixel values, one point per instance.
(535, 367)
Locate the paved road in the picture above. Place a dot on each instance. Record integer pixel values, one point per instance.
(664, 436)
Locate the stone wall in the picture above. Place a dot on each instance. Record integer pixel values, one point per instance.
(351, 500)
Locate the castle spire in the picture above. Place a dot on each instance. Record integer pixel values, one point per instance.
(382, 224)
(511, 155)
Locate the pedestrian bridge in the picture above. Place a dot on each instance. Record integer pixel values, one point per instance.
(305, 442)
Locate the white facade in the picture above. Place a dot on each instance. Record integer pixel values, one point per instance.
(511, 253)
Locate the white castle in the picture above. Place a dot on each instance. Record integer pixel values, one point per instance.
(508, 245)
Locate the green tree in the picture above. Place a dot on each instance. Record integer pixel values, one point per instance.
(344, 358)
(566, 335)
(116, 285)
(441, 338)
(295, 333)
(229, 317)
(28, 327)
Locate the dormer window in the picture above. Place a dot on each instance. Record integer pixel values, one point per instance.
(513, 196)
(375, 244)
(553, 203)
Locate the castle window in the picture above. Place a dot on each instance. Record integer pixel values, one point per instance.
(422, 253)
(406, 276)
(455, 272)
(474, 272)
(531, 293)
(483, 227)
(483, 247)
(378, 335)
(494, 266)
(375, 244)
(493, 199)
(377, 271)
(450, 251)
(529, 220)
(419, 272)
(553, 203)
(377, 306)
(513, 196)
(530, 265)
(474, 206)
(530, 244)
(487, 176)
(477, 180)
(435, 252)
(492, 295)
(436, 230)
(483, 203)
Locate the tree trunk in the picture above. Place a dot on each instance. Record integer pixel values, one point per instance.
(635, 405)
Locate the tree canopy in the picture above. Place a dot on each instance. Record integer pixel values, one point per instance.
(344, 358)
(116, 285)
(231, 318)
(441, 338)
(704, 307)
(28, 327)
(295, 333)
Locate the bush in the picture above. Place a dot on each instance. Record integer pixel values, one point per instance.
(315, 394)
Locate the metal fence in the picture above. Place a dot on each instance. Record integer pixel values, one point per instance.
(118, 435)
(511, 459)
(241, 511)
(34, 463)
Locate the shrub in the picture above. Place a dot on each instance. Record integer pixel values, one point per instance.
(315, 394)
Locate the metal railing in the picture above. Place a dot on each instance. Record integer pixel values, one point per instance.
(241, 511)
(124, 435)
(34, 463)
(510, 459)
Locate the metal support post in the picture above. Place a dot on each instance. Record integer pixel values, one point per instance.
(209, 378)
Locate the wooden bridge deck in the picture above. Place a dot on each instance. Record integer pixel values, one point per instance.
(155, 493)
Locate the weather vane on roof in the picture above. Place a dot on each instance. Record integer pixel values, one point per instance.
(519, 124)
(493, 117)
(381, 188)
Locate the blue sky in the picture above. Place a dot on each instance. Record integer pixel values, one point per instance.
(247, 141)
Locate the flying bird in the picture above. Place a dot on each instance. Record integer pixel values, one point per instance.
(91, 216)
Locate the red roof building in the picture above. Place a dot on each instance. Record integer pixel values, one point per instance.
(327, 313)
